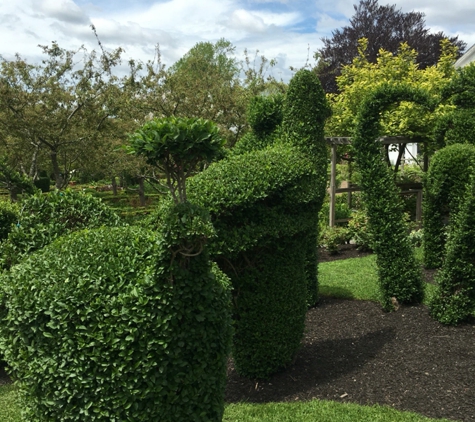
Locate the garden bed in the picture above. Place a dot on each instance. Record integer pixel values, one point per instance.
(355, 352)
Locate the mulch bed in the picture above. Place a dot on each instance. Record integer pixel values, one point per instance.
(355, 352)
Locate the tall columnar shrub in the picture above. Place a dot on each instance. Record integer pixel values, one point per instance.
(43, 218)
(445, 185)
(117, 324)
(454, 300)
(399, 273)
(264, 205)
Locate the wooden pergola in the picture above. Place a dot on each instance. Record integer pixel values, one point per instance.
(406, 188)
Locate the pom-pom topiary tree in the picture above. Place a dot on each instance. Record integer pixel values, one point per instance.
(264, 204)
(445, 186)
(399, 275)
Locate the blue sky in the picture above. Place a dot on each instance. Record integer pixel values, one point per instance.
(289, 31)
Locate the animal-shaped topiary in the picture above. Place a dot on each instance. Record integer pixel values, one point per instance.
(399, 274)
(264, 203)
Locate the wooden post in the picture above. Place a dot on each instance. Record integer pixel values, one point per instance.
(332, 187)
(419, 206)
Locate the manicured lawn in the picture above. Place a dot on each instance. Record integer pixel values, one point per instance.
(356, 278)
(315, 410)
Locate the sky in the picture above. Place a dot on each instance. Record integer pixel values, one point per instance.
(288, 31)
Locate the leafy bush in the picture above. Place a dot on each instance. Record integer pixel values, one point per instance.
(454, 300)
(8, 216)
(444, 191)
(359, 231)
(118, 324)
(399, 273)
(264, 204)
(332, 237)
(43, 218)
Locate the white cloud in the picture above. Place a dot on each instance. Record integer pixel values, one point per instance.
(63, 10)
(177, 25)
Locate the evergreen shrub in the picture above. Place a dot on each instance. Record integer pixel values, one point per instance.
(444, 191)
(454, 300)
(43, 218)
(9, 213)
(116, 324)
(264, 204)
(399, 273)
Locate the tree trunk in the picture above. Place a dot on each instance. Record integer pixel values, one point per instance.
(142, 192)
(114, 185)
(56, 171)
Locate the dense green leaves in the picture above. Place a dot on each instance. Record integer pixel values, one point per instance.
(445, 186)
(119, 324)
(8, 217)
(399, 274)
(176, 146)
(454, 300)
(43, 218)
(264, 202)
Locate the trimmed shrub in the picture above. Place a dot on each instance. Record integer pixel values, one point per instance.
(118, 324)
(264, 204)
(43, 218)
(454, 300)
(359, 232)
(9, 213)
(444, 191)
(399, 274)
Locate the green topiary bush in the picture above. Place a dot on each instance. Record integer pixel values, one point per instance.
(454, 300)
(444, 191)
(116, 324)
(264, 204)
(399, 273)
(9, 213)
(43, 218)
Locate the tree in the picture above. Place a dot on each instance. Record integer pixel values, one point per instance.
(205, 83)
(59, 106)
(362, 77)
(384, 27)
(176, 146)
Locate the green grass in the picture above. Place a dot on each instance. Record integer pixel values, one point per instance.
(318, 410)
(9, 408)
(311, 411)
(354, 278)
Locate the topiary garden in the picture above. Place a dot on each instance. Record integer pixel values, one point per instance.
(105, 322)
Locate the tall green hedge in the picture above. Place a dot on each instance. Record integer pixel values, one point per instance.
(118, 324)
(399, 274)
(264, 205)
(445, 185)
(454, 300)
